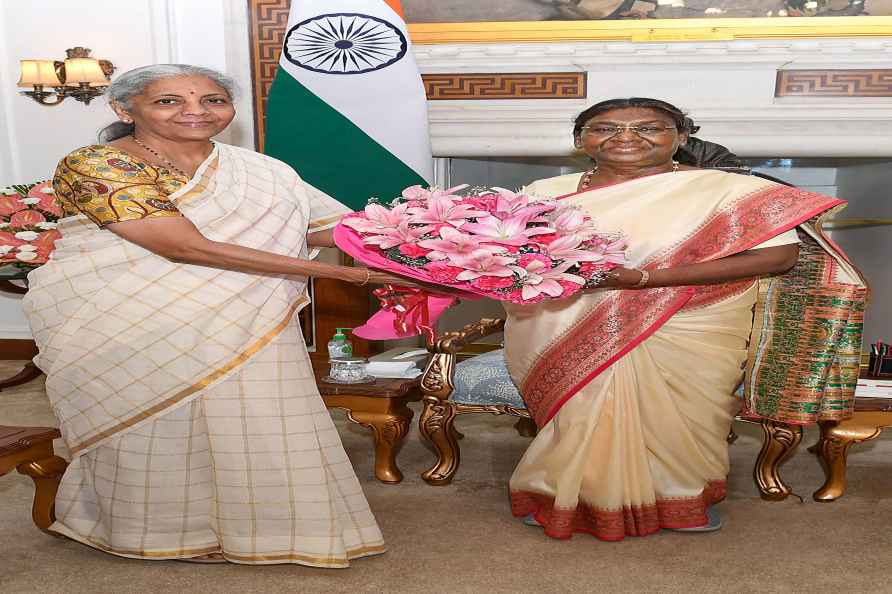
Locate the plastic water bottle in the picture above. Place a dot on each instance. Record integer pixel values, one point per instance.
(339, 347)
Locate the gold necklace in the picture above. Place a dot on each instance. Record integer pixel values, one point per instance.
(588, 175)
(158, 156)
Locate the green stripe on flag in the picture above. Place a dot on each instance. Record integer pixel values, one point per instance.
(327, 150)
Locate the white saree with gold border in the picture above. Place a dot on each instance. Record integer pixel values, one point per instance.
(185, 393)
(632, 390)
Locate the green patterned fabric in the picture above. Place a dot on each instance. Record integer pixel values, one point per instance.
(805, 349)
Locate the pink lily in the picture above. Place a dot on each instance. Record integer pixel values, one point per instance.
(453, 244)
(571, 221)
(567, 248)
(510, 231)
(482, 263)
(377, 218)
(537, 278)
(613, 248)
(403, 233)
(416, 193)
(443, 209)
(510, 204)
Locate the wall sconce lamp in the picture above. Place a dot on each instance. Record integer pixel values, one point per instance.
(79, 76)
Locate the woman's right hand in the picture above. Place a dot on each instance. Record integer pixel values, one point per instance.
(379, 277)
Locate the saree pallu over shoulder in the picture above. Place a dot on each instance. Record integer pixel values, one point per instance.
(805, 350)
(671, 219)
(125, 335)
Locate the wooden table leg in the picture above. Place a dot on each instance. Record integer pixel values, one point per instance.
(833, 448)
(389, 420)
(28, 373)
(46, 474)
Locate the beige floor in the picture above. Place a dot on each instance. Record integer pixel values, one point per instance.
(462, 538)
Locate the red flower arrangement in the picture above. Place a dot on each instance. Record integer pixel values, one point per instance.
(28, 219)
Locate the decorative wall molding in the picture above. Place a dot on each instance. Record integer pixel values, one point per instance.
(526, 85)
(834, 83)
(267, 20)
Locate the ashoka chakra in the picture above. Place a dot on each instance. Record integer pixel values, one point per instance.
(344, 43)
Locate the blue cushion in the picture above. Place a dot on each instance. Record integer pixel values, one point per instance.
(484, 379)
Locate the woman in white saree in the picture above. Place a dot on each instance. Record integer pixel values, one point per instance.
(164, 325)
(631, 384)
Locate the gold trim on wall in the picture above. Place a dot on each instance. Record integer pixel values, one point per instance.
(524, 85)
(834, 83)
(652, 30)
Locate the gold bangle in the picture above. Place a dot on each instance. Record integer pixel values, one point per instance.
(645, 276)
(368, 276)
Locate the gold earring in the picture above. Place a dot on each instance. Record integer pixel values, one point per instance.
(127, 120)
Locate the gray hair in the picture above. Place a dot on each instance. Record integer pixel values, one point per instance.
(134, 82)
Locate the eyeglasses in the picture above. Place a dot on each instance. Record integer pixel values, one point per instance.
(610, 130)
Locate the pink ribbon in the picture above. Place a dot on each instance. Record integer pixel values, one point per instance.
(404, 312)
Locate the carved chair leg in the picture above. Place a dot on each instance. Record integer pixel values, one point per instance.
(436, 425)
(46, 474)
(833, 449)
(778, 444)
(526, 427)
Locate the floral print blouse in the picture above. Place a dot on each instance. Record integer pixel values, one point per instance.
(109, 185)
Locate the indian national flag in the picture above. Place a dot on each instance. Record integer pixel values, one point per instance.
(347, 108)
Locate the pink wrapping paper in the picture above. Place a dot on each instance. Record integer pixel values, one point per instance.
(386, 323)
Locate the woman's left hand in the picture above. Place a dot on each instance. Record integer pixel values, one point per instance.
(620, 278)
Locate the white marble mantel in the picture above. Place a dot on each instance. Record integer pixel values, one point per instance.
(726, 86)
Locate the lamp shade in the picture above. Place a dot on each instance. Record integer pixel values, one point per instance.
(84, 70)
(38, 72)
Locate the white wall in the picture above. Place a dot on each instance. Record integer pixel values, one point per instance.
(130, 34)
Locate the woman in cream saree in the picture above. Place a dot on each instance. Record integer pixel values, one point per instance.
(181, 381)
(632, 389)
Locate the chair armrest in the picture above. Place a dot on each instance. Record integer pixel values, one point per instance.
(437, 379)
(453, 342)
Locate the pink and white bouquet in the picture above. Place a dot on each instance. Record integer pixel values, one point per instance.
(28, 217)
(491, 242)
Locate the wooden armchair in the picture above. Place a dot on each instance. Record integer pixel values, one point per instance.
(481, 384)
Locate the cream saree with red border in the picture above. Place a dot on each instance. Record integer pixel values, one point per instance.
(632, 390)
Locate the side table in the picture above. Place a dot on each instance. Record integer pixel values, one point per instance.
(381, 406)
(872, 415)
